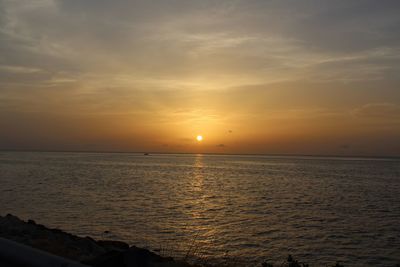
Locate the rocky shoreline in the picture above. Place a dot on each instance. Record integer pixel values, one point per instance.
(86, 250)
(96, 253)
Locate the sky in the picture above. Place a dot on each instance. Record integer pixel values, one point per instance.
(268, 76)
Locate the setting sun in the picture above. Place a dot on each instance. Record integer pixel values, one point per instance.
(199, 138)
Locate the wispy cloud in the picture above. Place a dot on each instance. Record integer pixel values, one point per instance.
(201, 64)
(378, 111)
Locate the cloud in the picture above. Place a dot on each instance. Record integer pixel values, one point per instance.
(216, 64)
(378, 110)
(202, 44)
(18, 69)
(345, 146)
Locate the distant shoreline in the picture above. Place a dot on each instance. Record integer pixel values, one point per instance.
(363, 157)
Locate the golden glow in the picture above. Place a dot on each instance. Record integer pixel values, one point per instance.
(248, 88)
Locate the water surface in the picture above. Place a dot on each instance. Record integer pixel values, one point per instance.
(245, 208)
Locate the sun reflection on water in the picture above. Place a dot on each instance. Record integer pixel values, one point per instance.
(198, 174)
(200, 202)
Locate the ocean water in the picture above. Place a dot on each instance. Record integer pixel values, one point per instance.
(242, 209)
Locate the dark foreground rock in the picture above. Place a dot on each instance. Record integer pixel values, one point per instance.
(102, 253)
(97, 253)
(134, 256)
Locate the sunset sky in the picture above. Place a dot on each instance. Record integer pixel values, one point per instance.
(283, 76)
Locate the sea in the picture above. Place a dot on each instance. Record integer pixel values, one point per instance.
(225, 209)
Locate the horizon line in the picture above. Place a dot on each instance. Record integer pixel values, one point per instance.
(204, 153)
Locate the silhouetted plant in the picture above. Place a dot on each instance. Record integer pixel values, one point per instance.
(266, 264)
(294, 263)
(291, 262)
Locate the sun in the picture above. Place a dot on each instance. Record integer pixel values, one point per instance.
(199, 138)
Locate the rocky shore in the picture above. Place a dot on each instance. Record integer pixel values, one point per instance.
(97, 253)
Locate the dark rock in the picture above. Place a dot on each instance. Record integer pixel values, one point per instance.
(103, 253)
(113, 245)
(141, 257)
(108, 259)
(54, 241)
(41, 226)
(58, 231)
(90, 239)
